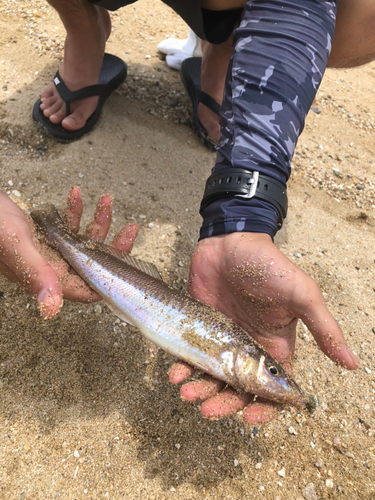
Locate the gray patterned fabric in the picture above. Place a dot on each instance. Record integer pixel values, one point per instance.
(281, 50)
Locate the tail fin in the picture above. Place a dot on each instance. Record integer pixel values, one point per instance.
(51, 224)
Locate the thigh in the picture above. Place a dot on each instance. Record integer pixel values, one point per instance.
(354, 39)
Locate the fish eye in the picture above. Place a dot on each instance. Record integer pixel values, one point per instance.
(273, 370)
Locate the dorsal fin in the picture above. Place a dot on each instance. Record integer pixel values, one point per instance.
(141, 265)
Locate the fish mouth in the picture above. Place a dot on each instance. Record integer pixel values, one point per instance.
(293, 397)
(296, 396)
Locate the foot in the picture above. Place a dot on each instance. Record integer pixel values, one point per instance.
(88, 28)
(215, 62)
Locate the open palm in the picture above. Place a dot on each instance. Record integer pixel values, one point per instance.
(246, 277)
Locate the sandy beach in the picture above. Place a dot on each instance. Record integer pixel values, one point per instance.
(86, 409)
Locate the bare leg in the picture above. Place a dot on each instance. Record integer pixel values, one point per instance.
(215, 62)
(354, 40)
(88, 28)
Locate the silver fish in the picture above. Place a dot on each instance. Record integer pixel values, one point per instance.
(179, 324)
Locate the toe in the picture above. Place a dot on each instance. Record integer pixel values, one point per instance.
(49, 92)
(81, 111)
(48, 102)
(56, 110)
(73, 122)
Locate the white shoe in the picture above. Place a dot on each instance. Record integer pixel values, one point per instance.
(178, 50)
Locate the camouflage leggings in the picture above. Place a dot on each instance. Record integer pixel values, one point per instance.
(281, 50)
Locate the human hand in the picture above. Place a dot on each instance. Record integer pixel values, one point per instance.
(37, 268)
(246, 277)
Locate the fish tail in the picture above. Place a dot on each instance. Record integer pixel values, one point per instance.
(51, 224)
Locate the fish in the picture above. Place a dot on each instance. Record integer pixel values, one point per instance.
(176, 322)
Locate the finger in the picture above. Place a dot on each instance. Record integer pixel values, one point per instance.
(179, 372)
(124, 240)
(99, 228)
(74, 209)
(260, 412)
(36, 275)
(224, 404)
(201, 390)
(76, 290)
(329, 337)
(325, 329)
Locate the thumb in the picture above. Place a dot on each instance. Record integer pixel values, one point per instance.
(325, 329)
(41, 279)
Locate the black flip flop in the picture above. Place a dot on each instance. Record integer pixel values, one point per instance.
(191, 78)
(112, 74)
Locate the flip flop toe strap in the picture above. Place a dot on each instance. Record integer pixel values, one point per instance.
(74, 95)
(208, 101)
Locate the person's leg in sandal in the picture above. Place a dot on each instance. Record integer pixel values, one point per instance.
(88, 27)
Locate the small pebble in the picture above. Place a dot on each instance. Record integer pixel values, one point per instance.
(292, 430)
(235, 463)
(16, 193)
(315, 110)
(309, 492)
(281, 472)
(329, 483)
(258, 465)
(76, 453)
(367, 370)
(98, 309)
(178, 446)
(336, 442)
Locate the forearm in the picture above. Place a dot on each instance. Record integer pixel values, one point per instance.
(280, 54)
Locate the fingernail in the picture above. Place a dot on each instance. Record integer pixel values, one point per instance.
(49, 302)
(353, 358)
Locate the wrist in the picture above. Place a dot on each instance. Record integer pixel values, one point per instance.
(245, 184)
(234, 215)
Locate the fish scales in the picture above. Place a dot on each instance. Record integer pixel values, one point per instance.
(176, 322)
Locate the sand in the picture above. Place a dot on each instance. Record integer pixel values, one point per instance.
(86, 410)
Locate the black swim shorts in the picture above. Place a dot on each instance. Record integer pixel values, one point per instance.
(216, 26)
